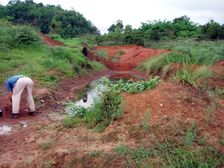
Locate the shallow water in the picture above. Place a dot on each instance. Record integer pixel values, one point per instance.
(92, 92)
(5, 129)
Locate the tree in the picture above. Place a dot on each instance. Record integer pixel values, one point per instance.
(48, 19)
(212, 30)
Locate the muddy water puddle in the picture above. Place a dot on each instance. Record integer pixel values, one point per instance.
(92, 93)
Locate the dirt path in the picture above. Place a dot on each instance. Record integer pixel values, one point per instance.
(49, 41)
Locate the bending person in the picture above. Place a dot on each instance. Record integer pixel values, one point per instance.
(15, 85)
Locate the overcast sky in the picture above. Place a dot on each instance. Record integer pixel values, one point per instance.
(103, 13)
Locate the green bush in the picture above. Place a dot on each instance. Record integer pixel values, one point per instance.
(133, 87)
(13, 36)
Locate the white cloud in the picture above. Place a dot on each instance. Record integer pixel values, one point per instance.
(103, 13)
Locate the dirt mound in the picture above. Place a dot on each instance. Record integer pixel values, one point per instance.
(49, 41)
(167, 105)
(126, 57)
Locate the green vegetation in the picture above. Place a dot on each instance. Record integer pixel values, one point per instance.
(188, 75)
(23, 53)
(100, 114)
(103, 54)
(133, 87)
(118, 55)
(181, 61)
(45, 145)
(169, 154)
(48, 19)
(109, 107)
(179, 28)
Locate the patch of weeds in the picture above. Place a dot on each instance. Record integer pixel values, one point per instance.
(141, 156)
(133, 87)
(191, 135)
(103, 54)
(118, 55)
(50, 81)
(121, 150)
(187, 75)
(104, 111)
(146, 119)
(171, 154)
(48, 164)
(95, 153)
(137, 157)
(210, 116)
(219, 92)
(70, 122)
(203, 140)
(46, 145)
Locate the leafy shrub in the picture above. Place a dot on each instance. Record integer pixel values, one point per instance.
(26, 35)
(133, 87)
(68, 122)
(103, 54)
(17, 35)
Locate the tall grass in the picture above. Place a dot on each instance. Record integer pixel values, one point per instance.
(185, 52)
(170, 155)
(192, 51)
(21, 52)
(188, 75)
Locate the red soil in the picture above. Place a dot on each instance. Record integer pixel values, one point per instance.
(49, 41)
(133, 55)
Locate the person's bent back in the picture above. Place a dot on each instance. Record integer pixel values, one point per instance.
(15, 85)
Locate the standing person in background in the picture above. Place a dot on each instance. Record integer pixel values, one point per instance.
(15, 85)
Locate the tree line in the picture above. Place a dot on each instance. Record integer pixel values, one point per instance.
(48, 19)
(181, 27)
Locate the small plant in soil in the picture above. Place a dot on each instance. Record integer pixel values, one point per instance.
(121, 149)
(45, 145)
(118, 55)
(95, 153)
(191, 135)
(48, 164)
(146, 119)
(219, 92)
(103, 54)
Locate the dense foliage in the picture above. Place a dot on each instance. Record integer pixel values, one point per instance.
(181, 27)
(48, 19)
(12, 36)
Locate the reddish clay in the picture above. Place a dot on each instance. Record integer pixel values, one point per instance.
(49, 41)
(133, 55)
